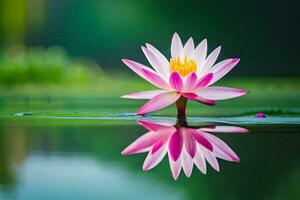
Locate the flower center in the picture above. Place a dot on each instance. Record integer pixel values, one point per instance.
(183, 67)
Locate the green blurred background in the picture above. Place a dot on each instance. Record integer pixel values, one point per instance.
(265, 34)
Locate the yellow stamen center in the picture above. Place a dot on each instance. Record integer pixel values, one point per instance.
(184, 67)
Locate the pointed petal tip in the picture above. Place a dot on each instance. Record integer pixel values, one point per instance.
(125, 60)
(204, 42)
(175, 35)
(211, 103)
(128, 151)
(143, 48)
(243, 130)
(145, 167)
(190, 39)
(207, 102)
(140, 112)
(124, 153)
(148, 45)
(175, 177)
(236, 59)
(242, 92)
(124, 96)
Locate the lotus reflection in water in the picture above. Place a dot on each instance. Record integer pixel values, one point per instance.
(185, 146)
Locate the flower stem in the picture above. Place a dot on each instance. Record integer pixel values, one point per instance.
(181, 106)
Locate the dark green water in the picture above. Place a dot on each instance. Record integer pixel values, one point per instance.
(79, 158)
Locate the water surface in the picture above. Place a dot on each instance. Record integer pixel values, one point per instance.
(78, 158)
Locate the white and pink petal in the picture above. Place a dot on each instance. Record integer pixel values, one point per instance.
(211, 59)
(175, 167)
(224, 129)
(158, 102)
(176, 81)
(154, 159)
(222, 68)
(143, 143)
(188, 49)
(143, 95)
(223, 147)
(200, 55)
(220, 93)
(175, 145)
(190, 82)
(187, 163)
(199, 160)
(147, 73)
(176, 46)
(155, 62)
(162, 59)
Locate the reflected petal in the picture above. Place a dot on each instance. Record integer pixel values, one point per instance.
(224, 129)
(223, 149)
(175, 145)
(200, 160)
(143, 143)
(158, 144)
(156, 126)
(211, 159)
(175, 166)
(153, 159)
(189, 142)
(185, 146)
(187, 163)
(199, 137)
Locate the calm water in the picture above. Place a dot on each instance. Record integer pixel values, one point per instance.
(44, 158)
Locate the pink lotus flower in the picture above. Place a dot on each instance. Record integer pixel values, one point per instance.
(184, 145)
(188, 75)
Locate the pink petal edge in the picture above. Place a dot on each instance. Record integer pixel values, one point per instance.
(158, 102)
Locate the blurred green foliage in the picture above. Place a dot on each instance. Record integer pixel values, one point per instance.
(19, 65)
(264, 34)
